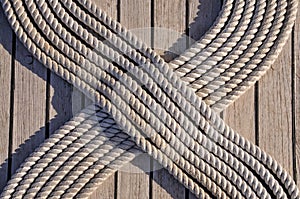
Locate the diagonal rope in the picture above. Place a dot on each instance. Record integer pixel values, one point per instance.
(208, 158)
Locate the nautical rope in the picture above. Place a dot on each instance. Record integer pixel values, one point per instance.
(144, 104)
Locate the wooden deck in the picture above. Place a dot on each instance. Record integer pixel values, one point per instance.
(34, 102)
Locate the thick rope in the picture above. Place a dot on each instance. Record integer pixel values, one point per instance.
(212, 161)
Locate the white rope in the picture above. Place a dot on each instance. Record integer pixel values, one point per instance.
(172, 124)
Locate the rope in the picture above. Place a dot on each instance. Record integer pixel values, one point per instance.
(144, 103)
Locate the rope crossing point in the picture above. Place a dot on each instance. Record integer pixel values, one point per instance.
(142, 103)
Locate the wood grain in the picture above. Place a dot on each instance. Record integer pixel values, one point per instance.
(60, 102)
(198, 12)
(29, 107)
(108, 189)
(241, 115)
(200, 17)
(170, 24)
(136, 16)
(275, 110)
(296, 105)
(6, 38)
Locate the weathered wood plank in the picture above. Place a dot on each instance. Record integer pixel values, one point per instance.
(296, 76)
(200, 17)
(29, 111)
(78, 100)
(60, 102)
(108, 188)
(275, 118)
(6, 37)
(105, 190)
(134, 182)
(170, 24)
(241, 115)
(135, 15)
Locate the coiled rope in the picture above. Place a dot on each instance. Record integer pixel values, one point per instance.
(150, 105)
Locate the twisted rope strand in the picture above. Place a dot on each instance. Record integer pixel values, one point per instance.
(152, 149)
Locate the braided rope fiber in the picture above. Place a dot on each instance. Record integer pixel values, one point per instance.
(142, 103)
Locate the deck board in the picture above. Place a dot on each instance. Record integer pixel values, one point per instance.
(6, 38)
(275, 110)
(296, 97)
(169, 15)
(108, 189)
(133, 182)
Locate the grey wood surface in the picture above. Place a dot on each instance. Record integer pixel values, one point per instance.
(35, 102)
